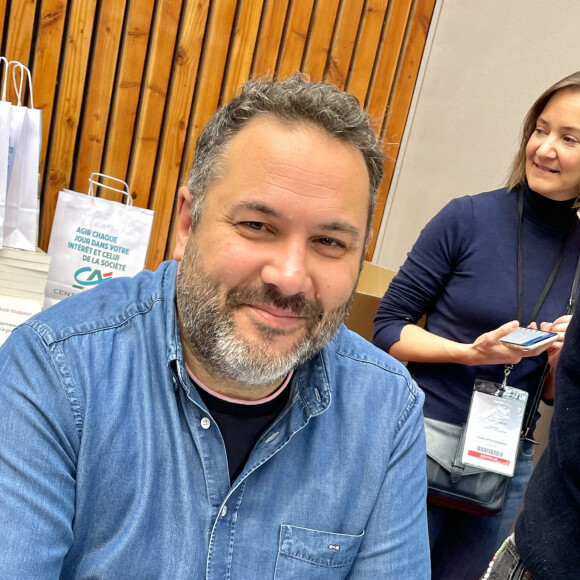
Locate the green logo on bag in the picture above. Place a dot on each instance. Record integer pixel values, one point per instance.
(87, 276)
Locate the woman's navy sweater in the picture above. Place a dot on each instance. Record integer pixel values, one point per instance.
(462, 273)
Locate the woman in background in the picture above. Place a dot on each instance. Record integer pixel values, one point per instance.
(481, 266)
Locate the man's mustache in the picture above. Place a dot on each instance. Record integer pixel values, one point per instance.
(297, 304)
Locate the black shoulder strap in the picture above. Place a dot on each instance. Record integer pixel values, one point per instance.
(573, 294)
(538, 392)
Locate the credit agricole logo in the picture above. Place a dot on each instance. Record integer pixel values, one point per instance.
(86, 277)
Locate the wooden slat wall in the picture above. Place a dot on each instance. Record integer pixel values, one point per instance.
(125, 86)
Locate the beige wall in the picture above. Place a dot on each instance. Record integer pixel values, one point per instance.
(486, 61)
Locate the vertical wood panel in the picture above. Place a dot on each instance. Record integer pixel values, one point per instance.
(72, 86)
(213, 62)
(19, 38)
(207, 96)
(127, 90)
(129, 94)
(319, 39)
(401, 99)
(295, 38)
(175, 127)
(268, 47)
(368, 45)
(242, 51)
(389, 58)
(45, 65)
(98, 102)
(343, 46)
(153, 100)
(2, 19)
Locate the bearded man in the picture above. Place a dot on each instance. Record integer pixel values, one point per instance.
(214, 419)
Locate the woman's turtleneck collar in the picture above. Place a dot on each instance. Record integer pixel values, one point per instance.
(548, 213)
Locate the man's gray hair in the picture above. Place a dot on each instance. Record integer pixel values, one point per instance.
(294, 100)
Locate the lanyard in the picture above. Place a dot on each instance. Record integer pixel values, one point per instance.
(552, 275)
(535, 401)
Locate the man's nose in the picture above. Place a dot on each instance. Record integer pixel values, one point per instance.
(287, 268)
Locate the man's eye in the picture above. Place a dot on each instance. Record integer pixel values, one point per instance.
(332, 244)
(258, 226)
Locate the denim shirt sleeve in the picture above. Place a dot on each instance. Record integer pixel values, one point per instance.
(402, 552)
(39, 443)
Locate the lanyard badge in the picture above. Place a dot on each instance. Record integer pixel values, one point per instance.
(494, 425)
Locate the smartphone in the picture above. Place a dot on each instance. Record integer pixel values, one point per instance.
(528, 338)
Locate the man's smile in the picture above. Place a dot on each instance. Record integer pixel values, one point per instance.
(283, 319)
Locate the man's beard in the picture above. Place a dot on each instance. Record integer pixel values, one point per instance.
(210, 331)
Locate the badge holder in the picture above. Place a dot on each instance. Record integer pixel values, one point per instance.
(494, 425)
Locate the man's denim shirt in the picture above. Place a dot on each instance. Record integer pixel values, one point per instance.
(111, 466)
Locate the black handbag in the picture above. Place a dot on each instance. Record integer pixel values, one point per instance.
(451, 483)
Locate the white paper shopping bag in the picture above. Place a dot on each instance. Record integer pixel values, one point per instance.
(94, 240)
(25, 137)
(5, 107)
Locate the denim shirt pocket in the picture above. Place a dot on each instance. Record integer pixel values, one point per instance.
(314, 554)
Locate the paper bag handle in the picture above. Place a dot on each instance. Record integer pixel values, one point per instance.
(94, 183)
(18, 88)
(5, 80)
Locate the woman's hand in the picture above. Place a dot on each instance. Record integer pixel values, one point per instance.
(418, 345)
(560, 325)
(488, 350)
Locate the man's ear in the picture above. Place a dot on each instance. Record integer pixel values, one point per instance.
(183, 222)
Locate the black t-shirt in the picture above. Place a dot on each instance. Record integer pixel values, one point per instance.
(242, 425)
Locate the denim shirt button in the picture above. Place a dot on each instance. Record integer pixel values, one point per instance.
(205, 423)
(224, 511)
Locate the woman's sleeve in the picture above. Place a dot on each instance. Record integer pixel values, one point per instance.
(423, 276)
